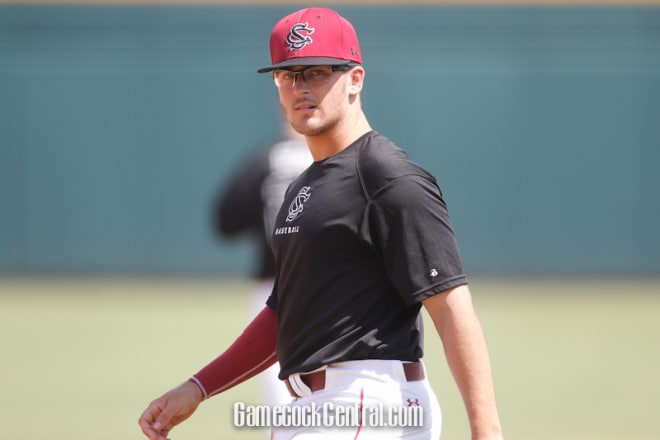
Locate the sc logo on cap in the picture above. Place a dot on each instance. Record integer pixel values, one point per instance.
(299, 36)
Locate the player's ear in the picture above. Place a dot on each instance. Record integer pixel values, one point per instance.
(355, 80)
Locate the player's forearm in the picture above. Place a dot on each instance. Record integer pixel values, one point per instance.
(468, 360)
(251, 353)
(467, 356)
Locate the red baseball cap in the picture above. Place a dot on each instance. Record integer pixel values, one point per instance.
(311, 37)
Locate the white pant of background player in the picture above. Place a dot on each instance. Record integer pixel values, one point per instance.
(378, 387)
(270, 386)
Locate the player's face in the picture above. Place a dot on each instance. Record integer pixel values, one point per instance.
(315, 107)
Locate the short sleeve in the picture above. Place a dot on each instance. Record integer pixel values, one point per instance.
(410, 226)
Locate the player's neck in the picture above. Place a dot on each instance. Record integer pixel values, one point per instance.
(338, 139)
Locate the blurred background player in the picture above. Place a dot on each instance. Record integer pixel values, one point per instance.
(246, 207)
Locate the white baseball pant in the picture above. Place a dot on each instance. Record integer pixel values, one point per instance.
(365, 400)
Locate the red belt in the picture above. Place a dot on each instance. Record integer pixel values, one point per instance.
(316, 381)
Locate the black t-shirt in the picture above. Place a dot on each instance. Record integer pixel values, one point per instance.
(362, 238)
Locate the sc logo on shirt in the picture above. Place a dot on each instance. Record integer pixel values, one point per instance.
(296, 206)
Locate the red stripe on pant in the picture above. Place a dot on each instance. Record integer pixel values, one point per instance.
(357, 433)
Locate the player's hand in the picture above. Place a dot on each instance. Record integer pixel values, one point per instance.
(169, 410)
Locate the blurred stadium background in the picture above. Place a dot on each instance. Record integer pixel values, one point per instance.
(120, 120)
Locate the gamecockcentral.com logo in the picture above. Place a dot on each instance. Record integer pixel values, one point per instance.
(327, 415)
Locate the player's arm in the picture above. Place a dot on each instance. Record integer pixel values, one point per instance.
(465, 348)
(252, 352)
(237, 209)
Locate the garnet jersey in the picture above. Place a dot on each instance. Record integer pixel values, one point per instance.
(362, 238)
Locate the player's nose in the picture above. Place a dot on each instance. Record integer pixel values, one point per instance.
(299, 84)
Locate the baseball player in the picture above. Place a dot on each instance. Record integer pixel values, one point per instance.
(247, 206)
(362, 242)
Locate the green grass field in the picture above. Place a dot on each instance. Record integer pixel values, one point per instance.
(81, 358)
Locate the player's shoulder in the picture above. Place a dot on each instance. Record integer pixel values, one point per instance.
(380, 161)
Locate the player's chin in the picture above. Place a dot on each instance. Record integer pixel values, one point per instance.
(307, 127)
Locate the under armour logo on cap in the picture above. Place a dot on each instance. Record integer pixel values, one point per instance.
(299, 36)
(313, 36)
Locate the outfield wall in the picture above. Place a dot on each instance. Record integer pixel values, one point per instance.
(119, 123)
